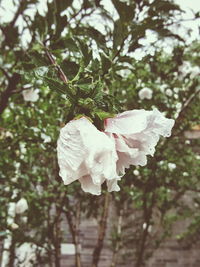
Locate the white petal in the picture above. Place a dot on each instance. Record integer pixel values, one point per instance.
(145, 93)
(30, 95)
(128, 122)
(88, 186)
(84, 151)
(21, 206)
(136, 133)
(113, 186)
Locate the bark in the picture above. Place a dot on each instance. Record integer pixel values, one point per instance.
(147, 219)
(12, 84)
(57, 240)
(73, 222)
(102, 231)
(142, 246)
(118, 241)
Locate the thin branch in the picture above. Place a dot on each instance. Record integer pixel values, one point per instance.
(189, 100)
(61, 73)
(73, 222)
(102, 231)
(5, 73)
(119, 238)
(147, 217)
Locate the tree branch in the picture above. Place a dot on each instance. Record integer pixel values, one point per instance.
(102, 231)
(5, 73)
(61, 73)
(12, 84)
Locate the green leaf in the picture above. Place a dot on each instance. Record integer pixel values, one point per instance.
(63, 4)
(126, 12)
(119, 33)
(87, 54)
(40, 25)
(59, 87)
(70, 68)
(87, 103)
(102, 115)
(165, 6)
(65, 43)
(11, 35)
(106, 63)
(37, 58)
(97, 36)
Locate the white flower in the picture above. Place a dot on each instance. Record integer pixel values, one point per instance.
(14, 226)
(169, 92)
(187, 68)
(144, 226)
(178, 106)
(87, 155)
(136, 172)
(24, 219)
(145, 93)
(163, 87)
(15, 193)
(22, 148)
(195, 72)
(7, 189)
(26, 254)
(46, 138)
(11, 209)
(21, 206)
(30, 95)
(171, 166)
(14, 180)
(136, 133)
(8, 134)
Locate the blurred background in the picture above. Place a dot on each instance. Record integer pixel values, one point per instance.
(117, 55)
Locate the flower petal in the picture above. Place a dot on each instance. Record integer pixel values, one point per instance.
(84, 151)
(136, 133)
(128, 122)
(88, 186)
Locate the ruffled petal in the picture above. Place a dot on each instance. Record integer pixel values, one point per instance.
(84, 151)
(70, 151)
(136, 133)
(128, 122)
(112, 185)
(88, 186)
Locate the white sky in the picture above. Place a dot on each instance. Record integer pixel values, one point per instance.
(189, 6)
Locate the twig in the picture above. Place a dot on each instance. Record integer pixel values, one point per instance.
(73, 222)
(189, 100)
(61, 73)
(118, 241)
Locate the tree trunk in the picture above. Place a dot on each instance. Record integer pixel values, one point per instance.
(118, 241)
(102, 231)
(74, 228)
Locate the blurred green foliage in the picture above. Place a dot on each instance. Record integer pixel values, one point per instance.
(96, 51)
